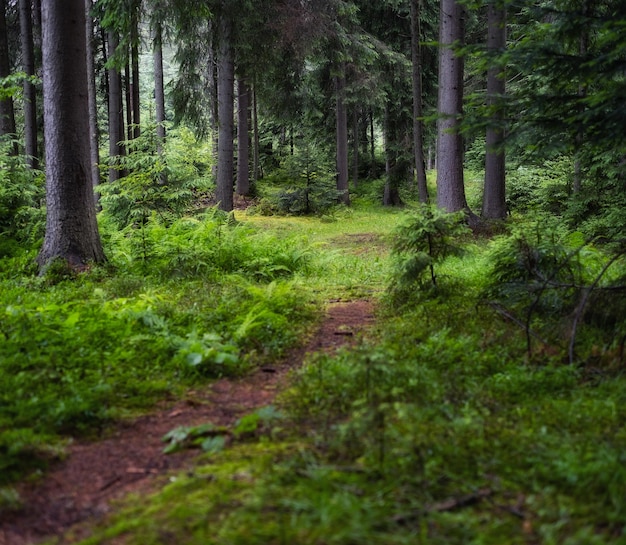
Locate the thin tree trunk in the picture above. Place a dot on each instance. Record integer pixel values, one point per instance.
(396, 166)
(256, 163)
(450, 182)
(213, 91)
(243, 138)
(355, 147)
(30, 96)
(418, 124)
(91, 89)
(71, 228)
(342, 141)
(494, 197)
(225, 91)
(7, 111)
(583, 46)
(116, 112)
(128, 95)
(372, 144)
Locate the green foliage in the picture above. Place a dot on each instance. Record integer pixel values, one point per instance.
(208, 437)
(178, 303)
(165, 183)
(544, 188)
(552, 283)
(425, 238)
(305, 184)
(22, 217)
(438, 433)
(12, 85)
(208, 245)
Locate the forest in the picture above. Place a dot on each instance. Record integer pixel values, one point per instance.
(312, 272)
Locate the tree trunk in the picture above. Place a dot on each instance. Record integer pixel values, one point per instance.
(342, 141)
(256, 163)
(225, 115)
(71, 228)
(418, 124)
(494, 197)
(30, 96)
(116, 112)
(159, 86)
(396, 164)
(243, 138)
(450, 183)
(212, 69)
(128, 96)
(7, 111)
(94, 144)
(355, 147)
(134, 85)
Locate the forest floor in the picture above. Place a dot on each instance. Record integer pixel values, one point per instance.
(130, 458)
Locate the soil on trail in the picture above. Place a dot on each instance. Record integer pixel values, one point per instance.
(81, 487)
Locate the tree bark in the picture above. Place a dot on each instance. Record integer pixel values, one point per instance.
(256, 162)
(450, 182)
(30, 96)
(342, 140)
(134, 85)
(396, 164)
(355, 147)
(159, 87)
(94, 143)
(494, 197)
(418, 124)
(243, 138)
(225, 116)
(116, 112)
(71, 227)
(7, 110)
(128, 96)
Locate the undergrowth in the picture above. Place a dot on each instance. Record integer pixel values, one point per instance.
(197, 299)
(440, 429)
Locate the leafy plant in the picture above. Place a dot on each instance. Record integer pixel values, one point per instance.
(307, 186)
(22, 218)
(424, 239)
(163, 183)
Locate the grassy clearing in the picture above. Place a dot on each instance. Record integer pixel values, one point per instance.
(445, 430)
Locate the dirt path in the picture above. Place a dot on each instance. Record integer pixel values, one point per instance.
(83, 485)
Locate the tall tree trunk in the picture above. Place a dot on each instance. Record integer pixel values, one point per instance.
(579, 139)
(418, 124)
(128, 95)
(396, 164)
(71, 227)
(116, 112)
(243, 138)
(159, 86)
(30, 96)
(94, 144)
(342, 140)
(372, 141)
(7, 111)
(212, 70)
(450, 183)
(355, 147)
(225, 91)
(256, 162)
(494, 197)
(134, 85)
